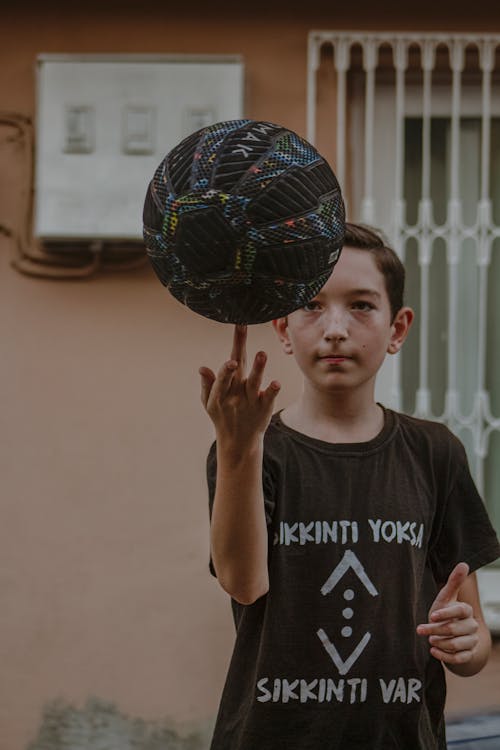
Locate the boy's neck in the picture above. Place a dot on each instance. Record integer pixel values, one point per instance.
(336, 419)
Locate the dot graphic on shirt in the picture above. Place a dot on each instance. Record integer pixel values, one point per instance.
(347, 613)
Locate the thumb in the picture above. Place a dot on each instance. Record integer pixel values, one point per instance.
(449, 592)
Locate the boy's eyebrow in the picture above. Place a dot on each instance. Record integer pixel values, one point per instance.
(355, 292)
(369, 292)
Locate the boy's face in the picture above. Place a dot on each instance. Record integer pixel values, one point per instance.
(341, 337)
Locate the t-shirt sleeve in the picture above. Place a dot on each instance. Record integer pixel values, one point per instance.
(464, 532)
(267, 485)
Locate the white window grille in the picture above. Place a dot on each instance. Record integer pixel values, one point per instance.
(414, 128)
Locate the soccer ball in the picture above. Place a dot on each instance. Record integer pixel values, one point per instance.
(243, 221)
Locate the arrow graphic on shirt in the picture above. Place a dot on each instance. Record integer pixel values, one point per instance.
(349, 561)
(342, 666)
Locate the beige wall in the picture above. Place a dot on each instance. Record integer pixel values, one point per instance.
(104, 525)
(103, 558)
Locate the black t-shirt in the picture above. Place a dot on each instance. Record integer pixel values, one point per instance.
(361, 538)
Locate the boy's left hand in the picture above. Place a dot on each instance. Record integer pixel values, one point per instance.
(452, 627)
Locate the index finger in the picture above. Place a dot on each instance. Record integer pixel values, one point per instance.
(450, 590)
(238, 352)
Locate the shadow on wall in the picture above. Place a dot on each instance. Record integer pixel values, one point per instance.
(100, 725)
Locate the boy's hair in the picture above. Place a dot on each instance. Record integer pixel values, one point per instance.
(388, 263)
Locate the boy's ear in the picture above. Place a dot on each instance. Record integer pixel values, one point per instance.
(399, 330)
(280, 325)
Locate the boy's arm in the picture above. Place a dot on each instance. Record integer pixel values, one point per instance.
(241, 413)
(458, 635)
(238, 530)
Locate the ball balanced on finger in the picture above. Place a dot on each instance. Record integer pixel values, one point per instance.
(243, 221)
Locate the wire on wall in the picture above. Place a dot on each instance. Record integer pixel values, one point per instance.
(51, 261)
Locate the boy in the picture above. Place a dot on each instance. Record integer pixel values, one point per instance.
(346, 534)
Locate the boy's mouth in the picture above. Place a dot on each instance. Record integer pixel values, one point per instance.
(334, 358)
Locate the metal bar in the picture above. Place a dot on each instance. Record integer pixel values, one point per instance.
(425, 237)
(357, 36)
(401, 64)
(369, 63)
(312, 68)
(423, 398)
(482, 328)
(485, 226)
(452, 403)
(341, 65)
(457, 58)
(400, 51)
(487, 62)
(427, 66)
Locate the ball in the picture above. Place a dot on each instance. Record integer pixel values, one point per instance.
(243, 221)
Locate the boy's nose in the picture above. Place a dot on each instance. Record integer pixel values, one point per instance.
(335, 326)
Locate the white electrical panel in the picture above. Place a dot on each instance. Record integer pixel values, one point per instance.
(103, 126)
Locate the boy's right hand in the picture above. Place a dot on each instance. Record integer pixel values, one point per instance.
(239, 409)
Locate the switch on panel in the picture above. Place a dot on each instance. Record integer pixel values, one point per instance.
(198, 118)
(138, 130)
(79, 130)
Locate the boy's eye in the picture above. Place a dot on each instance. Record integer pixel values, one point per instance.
(363, 305)
(311, 306)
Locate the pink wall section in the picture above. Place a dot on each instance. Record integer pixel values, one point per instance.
(104, 552)
(103, 518)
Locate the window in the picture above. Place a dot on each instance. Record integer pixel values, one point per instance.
(414, 125)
